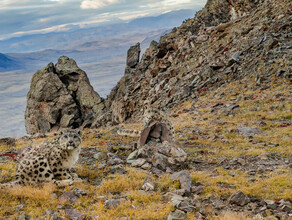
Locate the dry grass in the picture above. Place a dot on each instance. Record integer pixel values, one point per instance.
(35, 200)
(122, 183)
(196, 131)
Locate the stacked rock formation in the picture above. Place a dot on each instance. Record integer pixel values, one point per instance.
(61, 96)
(157, 151)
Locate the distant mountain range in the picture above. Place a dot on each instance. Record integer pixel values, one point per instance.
(8, 63)
(100, 51)
(89, 45)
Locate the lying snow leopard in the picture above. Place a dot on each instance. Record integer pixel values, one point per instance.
(151, 115)
(50, 161)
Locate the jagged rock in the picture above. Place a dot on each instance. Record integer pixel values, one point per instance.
(112, 203)
(61, 96)
(68, 197)
(239, 198)
(177, 215)
(73, 215)
(114, 160)
(271, 204)
(148, 185)
(79, 192)
(184, 179)
(133, 55)
(132, 156)
(158, 131)
(182, 203)
(117, 169)
(156, 146)
(139, 162)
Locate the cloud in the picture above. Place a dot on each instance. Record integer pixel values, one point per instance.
(19, 18)
(95, 4)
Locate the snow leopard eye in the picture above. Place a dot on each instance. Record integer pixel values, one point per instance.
(75, 136)
(65, 136)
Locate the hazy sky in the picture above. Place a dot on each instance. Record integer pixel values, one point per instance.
(21, 17)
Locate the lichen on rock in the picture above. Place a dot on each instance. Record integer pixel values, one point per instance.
(61, 96)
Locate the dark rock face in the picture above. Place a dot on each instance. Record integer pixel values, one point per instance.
(133, 55)
(239, 198)
(61, 96)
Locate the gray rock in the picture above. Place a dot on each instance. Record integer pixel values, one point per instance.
(184, 179)
(157, 149)
(73, 215)
(132, 156)
(239, 198)
(139, 162)
(114, 160)
(160, 161)
(68, 197)
(133, 55)
(198, 189)
(79, 192)
(271, 204)
(101, 156)
(61, 96)
(235, 56)
(112, 203)
(177, 215)
(50, 214)
(146, 166)
(117, 169)
(286, 208)
(148, 185)
(182, 203)
(248, 131)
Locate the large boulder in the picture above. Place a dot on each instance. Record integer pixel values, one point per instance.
(61, 96)
(157, 150)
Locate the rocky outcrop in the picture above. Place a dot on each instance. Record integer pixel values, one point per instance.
(223, 42)
(61, 96)
(133, 56)
(157, 150)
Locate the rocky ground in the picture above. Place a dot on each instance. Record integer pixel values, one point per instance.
(238, 142)
(224, 79)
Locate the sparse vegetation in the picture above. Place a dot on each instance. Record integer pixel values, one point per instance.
(204, 134)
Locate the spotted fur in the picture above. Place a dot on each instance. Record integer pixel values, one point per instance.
(50, 161)
(151, 115)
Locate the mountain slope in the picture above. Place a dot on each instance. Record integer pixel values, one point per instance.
(227, 90)
(224, 42)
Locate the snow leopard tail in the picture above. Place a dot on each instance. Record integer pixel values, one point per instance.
(128, 132)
